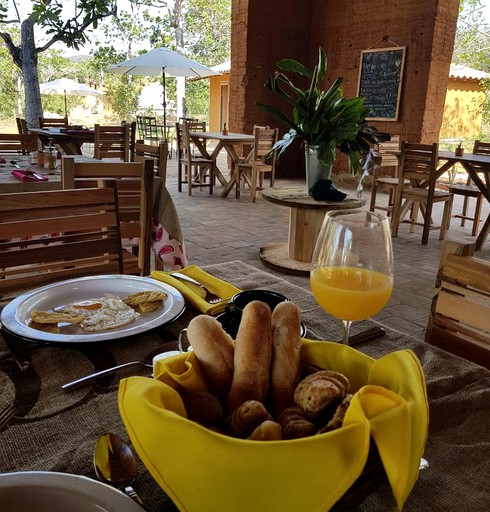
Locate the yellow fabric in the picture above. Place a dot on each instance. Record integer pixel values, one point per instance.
(194, 294)
(202, 470)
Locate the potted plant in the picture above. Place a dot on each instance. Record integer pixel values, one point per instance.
(459, 151)
(326, 121)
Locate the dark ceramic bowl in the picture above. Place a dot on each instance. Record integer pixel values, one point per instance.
(241, 299)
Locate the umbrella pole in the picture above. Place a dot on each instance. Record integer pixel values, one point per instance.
(164, 106)
(66, 110)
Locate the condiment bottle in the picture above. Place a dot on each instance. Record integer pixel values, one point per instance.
(50, 157)
(225, 130)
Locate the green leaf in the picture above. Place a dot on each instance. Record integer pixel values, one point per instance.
(295, 67)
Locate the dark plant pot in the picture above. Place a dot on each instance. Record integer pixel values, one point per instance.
(459, 151)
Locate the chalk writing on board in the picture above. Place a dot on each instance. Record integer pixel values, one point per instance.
(380, 81)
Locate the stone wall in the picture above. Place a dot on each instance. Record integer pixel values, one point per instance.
(265, 32)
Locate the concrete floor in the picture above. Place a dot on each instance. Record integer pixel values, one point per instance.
(223, 229)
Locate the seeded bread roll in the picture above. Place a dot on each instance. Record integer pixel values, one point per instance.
(252, 356)
(214, 349)
(285, 364)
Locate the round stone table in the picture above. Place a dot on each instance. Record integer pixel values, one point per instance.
(305, 220)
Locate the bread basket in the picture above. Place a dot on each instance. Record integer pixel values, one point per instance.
(204, 470)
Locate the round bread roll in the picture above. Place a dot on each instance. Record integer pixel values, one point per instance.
(285, 363)
(246, 418)
(252, 356)
(214, 349)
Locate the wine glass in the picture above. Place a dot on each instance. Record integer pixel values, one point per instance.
(352, 266)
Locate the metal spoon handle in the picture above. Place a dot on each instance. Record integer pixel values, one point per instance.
(132, 494)
(93, 376)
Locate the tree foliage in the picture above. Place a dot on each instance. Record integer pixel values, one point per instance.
(472, 44)
(72, 30)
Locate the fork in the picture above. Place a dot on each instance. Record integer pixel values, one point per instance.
(210, 297)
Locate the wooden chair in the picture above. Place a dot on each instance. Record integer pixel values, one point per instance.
(134, 185)
(469, 190)
(189, 162)
(112, 142)
(132, 139)
(389, 152)
(158, 154)
(459, 320)
(83, 231)
(16, 143)
(418, 165)
(53, 122)
(253, 167)
(149, 130)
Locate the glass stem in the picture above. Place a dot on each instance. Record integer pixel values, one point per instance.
(346, 324)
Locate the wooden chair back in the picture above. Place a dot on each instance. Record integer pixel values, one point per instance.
(22, 127)
(481, 148)
(134, 185)
(159, 155)
(149, 129)
(459, 320)
(112, 142)
(53, 122)
(17, 143)
(58, 234)
(388, 151)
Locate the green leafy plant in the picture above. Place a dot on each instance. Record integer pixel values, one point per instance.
(322, 118)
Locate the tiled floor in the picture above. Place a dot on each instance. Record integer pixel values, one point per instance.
(223, 229)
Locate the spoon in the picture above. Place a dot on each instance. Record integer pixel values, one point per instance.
(147, 361)
(115, 464)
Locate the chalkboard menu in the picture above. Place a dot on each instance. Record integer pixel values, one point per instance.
(380, 81)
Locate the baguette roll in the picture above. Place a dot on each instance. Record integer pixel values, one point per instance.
(285, 364)
(252, 356)
(214, 350)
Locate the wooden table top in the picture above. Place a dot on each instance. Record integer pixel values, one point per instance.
(297, 197)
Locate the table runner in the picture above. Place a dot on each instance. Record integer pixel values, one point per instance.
(56, 431)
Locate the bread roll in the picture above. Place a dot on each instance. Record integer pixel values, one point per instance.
(285, 363)
(252, 356)
(214, 349)
(266, 431)
(246, 418)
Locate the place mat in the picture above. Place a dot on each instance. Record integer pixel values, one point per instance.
(50, 430)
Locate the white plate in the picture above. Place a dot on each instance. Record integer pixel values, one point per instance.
(15, 315)
(42, 491)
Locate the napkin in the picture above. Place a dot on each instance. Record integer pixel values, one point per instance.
(194, 294)
(29, 176)
(3, 161)
(204, 470)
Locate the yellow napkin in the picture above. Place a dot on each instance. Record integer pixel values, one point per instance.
(194, 294)
(203, 470)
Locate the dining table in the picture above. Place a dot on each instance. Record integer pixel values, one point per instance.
(228, 142)
(167, 237)
(70, 141)
(478, 168)
(44, 428)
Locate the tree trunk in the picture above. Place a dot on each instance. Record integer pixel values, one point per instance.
(31, 79)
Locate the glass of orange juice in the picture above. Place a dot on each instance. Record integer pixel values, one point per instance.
(352, 266)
